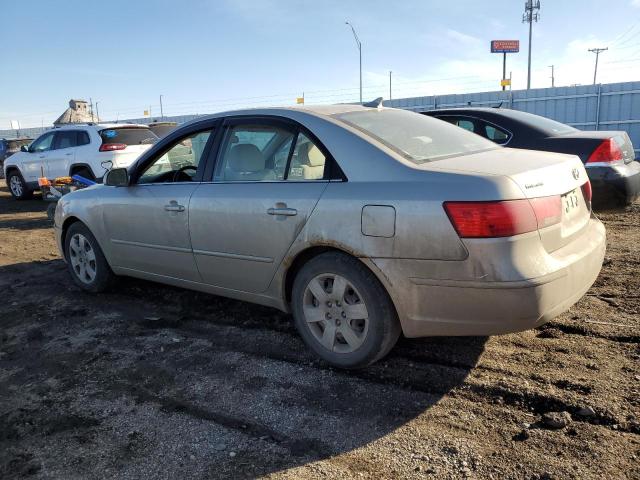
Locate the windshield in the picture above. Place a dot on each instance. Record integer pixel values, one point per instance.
(416, 137)
(546, 125)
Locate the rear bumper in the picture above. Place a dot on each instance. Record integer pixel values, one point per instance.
(615, 186)
(433, 299)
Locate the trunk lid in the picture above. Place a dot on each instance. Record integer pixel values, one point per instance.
(620, 137)
(538, 174)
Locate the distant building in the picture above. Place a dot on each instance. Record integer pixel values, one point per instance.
(78, 112)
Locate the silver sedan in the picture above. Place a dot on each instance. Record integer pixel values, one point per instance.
(365, 223)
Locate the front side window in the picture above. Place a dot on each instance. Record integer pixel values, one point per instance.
(178, 163)
(254, 153)
(42, 144)
(417, 138)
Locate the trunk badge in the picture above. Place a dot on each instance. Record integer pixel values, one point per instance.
(576, 173)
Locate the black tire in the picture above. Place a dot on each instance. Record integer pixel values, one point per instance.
(383, 326)
(17, 186)
(104, 277)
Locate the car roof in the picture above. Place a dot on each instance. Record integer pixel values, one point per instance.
(316, 110)
(99, 126)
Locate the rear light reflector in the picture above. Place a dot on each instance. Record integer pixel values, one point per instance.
(503, 218)
(587, 192)
(607, 152)
(110, 147)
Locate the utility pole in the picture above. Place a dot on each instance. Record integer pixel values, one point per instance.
(97, 111)
(161, 111)
(390, 72)
(531, 9)
(597, 51)
(91, 106)
(553, 79)
(355, 35)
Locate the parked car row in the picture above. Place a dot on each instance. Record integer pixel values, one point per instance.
(363, 222)
(608, 155)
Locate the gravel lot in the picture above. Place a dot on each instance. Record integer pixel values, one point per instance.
(150, 381)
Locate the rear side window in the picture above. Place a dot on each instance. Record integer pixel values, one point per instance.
(82, 138)
(65, 139)
(495, 134)
(128, 136)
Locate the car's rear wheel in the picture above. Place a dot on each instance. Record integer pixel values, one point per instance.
(343, 312)
(17, 186)
(86, 262)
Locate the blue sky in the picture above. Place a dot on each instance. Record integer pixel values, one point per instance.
(211, 55)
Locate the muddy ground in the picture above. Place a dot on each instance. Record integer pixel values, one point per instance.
(150, 381)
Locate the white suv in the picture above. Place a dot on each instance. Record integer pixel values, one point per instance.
(85, 149)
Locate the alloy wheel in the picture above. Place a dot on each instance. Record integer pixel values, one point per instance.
(82, 258)
(335, 313)
(15, 185)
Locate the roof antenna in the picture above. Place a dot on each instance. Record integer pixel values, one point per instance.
(377, 103)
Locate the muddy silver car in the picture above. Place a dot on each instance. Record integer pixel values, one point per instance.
(363, 222)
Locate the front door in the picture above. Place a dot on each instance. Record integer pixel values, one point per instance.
(34, 164)
(148, 221)
(267, 181)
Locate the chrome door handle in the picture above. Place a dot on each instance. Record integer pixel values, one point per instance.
(288, 212)
(174, 207)
(42, 156)
(68, 153)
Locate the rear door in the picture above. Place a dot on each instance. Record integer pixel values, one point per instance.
(63, 153)
(268, 178)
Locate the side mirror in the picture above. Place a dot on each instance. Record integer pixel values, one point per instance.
(24, 148)
(118, 177)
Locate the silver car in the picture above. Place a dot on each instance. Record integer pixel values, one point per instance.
(364, 223)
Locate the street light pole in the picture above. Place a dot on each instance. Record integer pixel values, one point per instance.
(531, 9)
(97, 111)
(355, 35)
(161, 111)
(553, 78)
(390, 72)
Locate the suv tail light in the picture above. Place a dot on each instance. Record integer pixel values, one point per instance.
(587, 192)
(503, 218)
(606, 153)
(110, 147)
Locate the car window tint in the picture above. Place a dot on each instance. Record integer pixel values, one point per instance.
(466, 124)
(43, 144)
(128, 136)
(254, 153)
(307, 162)
(65, 139)
(180, 162)
(494, 134)
(82, 138)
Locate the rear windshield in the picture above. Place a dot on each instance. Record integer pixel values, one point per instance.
(128, 135)
(544, 124)
(416, 137)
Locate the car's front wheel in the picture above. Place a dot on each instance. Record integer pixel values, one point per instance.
(343, 312)
(86, 262)
(17, 186)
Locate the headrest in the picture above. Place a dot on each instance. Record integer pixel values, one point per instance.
(245, 157)
(310, 155)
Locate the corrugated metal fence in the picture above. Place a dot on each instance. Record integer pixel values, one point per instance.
(613, 106)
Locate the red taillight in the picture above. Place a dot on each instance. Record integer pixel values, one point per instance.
(587, 192)
(109, 147)
(608, 151)
(503, 218)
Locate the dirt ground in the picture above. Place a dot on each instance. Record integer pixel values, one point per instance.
(151, 381)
